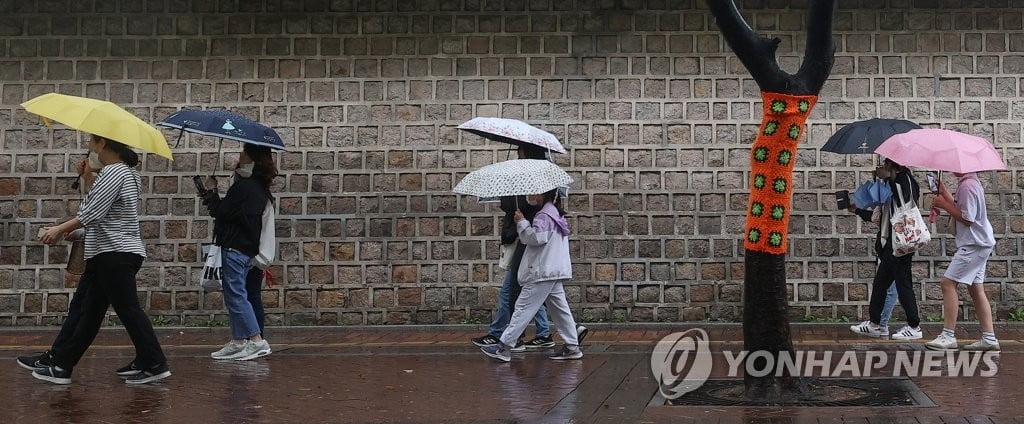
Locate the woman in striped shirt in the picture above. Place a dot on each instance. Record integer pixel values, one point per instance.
(113, 255)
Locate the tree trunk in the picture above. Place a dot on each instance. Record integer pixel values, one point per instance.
(788, 100)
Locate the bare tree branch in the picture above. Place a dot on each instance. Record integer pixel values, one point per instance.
(820, 52)
(758, 53)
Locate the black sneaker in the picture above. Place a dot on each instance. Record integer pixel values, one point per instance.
(581, 333)
(520, 347)
(128, 370)
(41, 360)
(156, 373)
(53, 375)
(487, 340)
(540, 342)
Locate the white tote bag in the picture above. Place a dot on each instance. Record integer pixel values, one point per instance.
(268, 240)
(505, 255)
(209, 278)
(909, 229)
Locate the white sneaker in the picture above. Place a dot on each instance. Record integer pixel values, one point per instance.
(867, 329)
(943, 342)
(982, 345)
(252, 350)
(908, 333)
(230, 348)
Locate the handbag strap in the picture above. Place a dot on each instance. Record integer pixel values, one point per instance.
(899, 192)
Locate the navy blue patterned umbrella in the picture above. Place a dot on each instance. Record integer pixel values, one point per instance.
(866, 136)
(224, 124)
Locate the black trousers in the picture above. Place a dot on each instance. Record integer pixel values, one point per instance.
(891, 268)
(112, 283)
(67, 329)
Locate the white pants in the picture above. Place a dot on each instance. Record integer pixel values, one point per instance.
(531, 299)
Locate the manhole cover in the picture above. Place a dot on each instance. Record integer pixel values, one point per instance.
(825, 393)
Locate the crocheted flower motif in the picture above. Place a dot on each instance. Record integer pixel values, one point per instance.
(778, 106)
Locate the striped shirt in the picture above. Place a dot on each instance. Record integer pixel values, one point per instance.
(110, 212)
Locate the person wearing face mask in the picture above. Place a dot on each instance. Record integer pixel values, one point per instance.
(546, 266)
(975, 241)
(891, 269)
(114, 253)
(237, 226)
(510, 287)
(87, 169)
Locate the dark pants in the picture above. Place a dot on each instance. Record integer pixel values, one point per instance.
(891, 268)
(67, 329)
(112, 283)
(253, 290)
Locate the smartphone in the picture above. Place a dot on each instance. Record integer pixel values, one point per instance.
(933, 181)
(843, 199)
(198, 181)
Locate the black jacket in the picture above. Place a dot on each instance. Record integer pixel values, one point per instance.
(238, 217)
(509, 232)
(911, 191)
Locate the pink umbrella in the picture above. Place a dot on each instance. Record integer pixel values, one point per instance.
(944, 150)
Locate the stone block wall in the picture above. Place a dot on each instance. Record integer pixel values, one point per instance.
(656, 111)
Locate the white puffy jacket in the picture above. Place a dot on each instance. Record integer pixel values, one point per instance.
(547, 247)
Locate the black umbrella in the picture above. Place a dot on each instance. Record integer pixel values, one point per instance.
(866, 136)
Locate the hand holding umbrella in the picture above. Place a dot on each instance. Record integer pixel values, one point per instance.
(519, 215)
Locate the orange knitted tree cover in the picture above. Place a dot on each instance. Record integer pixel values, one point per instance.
(772, 157)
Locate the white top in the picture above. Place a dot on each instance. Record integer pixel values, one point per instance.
(970, 198)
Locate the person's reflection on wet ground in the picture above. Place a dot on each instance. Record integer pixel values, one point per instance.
(66, 405)
(539, 391)
(144, 403)
(243, 380)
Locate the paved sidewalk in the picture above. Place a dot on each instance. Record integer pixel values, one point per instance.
(432, 374)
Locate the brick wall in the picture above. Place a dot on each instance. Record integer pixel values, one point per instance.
(656, 110)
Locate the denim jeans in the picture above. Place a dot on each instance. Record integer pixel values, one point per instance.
(890, 303)
(507, 299)
(234, 270)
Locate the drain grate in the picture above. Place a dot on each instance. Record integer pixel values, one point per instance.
(827, 393)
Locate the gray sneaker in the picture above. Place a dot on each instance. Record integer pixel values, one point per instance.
(568, 353)
(229, 349)
(942, 342)
(983, 346)
(252, 350)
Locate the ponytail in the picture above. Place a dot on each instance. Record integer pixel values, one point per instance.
(127, 155)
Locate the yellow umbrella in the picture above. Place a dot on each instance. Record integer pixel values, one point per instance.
(102, 118)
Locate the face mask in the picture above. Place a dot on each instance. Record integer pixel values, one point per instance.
(245, 171)
(532, 202)
(94, 161)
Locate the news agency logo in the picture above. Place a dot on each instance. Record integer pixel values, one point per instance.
(682, 362)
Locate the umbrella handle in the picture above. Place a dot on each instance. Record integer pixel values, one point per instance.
(180, 133)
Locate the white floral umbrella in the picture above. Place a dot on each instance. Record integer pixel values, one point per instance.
(515, 177)
(513, 132)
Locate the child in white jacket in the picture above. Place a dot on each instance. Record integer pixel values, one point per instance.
(545, 265)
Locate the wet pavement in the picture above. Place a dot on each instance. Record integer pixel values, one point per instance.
(432, 374)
